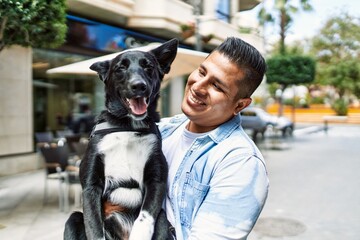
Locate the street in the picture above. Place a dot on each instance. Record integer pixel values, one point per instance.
(314, 187)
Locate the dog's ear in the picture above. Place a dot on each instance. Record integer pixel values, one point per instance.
(166, 54)
(102, 68)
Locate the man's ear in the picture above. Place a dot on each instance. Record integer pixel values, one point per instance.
(165, 54)
(241, 104)
(102, 68)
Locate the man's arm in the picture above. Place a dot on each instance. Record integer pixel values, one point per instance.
(237, 194)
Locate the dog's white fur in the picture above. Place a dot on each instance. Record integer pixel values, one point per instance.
(125, 161)
(143, 227)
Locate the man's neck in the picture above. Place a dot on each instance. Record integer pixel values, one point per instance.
(195, 128)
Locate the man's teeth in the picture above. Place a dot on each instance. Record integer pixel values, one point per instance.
(195, 100)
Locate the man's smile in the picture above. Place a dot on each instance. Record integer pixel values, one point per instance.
(194, 99)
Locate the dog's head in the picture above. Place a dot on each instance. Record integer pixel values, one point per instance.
(132, 79)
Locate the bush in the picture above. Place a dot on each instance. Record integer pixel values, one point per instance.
(317, 100)
(340, 106)
(290, 69)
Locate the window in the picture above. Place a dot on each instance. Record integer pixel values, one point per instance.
(223, 10)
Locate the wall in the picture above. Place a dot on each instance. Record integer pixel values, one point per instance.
(16, 123)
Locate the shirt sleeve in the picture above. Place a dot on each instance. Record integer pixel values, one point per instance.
(237, 194)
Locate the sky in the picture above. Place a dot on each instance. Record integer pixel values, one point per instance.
(308, 24)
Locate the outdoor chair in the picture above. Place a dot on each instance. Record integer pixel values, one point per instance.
(44, 137)
(80, 147)
(64, 133)
(70, 139)
(57, 167)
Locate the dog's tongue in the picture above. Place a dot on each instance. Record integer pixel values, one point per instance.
(138, 105)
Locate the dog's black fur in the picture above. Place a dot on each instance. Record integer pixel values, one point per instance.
(132, 83)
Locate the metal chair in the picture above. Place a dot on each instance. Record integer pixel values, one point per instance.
(70, 140)
(44, 137)
(57, 168)
(63, 133)
(80, 147)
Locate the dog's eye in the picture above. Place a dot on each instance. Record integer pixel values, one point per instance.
(146, 65)
(149, 69)
(123, 65)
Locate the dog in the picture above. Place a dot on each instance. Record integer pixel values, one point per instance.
(124, 171)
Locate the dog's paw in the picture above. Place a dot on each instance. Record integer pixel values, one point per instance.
(143, 228)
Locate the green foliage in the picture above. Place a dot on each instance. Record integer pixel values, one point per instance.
(337, 50)
(340, 106)
(316, 100)
(281, 14)
(35, 23)
(272, 87)
(290, 69)
(296, 102)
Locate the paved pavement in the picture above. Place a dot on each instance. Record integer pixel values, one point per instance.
(314, 192)
(22, 212)
(314, 186)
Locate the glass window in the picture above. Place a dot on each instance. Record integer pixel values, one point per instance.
(101, 37)
(223, 10)
(59, 100)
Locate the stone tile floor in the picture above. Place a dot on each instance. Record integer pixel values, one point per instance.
(22, 212)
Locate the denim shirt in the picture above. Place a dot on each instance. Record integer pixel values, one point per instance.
(221, 185)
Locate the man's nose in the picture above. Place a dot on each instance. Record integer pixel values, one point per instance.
(200, 86)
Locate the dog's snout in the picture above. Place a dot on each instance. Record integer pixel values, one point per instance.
(138, 86)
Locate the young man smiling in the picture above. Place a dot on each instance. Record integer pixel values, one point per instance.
(217, 184)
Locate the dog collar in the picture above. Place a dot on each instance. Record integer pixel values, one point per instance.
(104, 128)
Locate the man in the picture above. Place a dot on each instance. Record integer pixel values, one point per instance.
(217, 183)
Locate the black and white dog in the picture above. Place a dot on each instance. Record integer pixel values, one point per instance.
(124, 164)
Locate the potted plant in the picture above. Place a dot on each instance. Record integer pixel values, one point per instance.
(207, 38)
(187, 30)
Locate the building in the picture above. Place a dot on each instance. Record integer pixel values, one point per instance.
(39, 102)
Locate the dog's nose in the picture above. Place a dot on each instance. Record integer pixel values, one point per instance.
(138, 86)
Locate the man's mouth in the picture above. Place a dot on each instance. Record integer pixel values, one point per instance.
(195, 100)
(138, 105)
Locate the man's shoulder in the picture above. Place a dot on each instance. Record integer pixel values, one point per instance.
(169, 124)
(237, 144)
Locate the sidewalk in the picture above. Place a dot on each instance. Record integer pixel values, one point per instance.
(22, 213)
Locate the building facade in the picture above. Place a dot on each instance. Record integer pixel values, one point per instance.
(95, 28)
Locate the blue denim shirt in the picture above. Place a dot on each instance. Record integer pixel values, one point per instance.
(221, 185)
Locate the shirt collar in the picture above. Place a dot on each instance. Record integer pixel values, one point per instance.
(225, 129)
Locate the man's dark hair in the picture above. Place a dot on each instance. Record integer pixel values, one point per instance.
(248, 59)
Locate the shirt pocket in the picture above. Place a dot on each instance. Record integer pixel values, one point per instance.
(192, 196)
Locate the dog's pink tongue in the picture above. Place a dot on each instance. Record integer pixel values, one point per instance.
(138, 105)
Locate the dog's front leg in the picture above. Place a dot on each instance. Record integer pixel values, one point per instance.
(93, 185)
(155, 177)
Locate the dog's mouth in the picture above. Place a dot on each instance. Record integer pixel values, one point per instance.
(138, 106)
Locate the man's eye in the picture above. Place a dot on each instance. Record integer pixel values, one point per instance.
(201, 73)
(217, 87)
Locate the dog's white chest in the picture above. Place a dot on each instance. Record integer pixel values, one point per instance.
(125, 154)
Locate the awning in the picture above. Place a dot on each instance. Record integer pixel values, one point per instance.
(185, 62)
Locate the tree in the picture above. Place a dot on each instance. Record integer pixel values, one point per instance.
(337, 51)
(32, 23)
(281, 12)
(290, 70)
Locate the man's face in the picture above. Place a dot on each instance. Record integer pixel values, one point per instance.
(210, 94)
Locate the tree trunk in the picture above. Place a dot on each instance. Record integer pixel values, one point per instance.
(282, 31)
